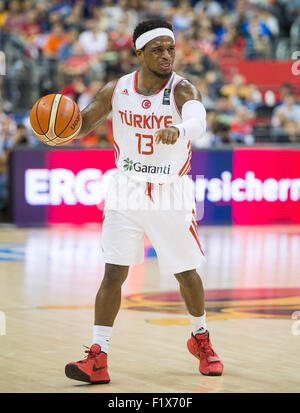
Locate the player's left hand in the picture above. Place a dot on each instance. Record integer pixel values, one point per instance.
(167, 136)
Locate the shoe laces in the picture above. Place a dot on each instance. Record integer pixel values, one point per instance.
(90, 354)
(203, 345)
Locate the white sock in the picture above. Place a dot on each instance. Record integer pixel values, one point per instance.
(101, 336)
(198, 324)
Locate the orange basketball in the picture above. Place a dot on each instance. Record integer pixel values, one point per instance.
(55, 119)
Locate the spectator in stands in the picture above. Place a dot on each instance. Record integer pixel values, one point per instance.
(75, 19)
(88, 94)
(214, 83)
(278, 9)
(180, 63)
(198, 64)
(109, 58)
(3, 116)
(31, 27)
(97, 137)
(78, 63)
(286, 117)
(3, 13)
(202, 86)
(292, 8)
(121, 12)
(3, 183)
(99, 65)
(5, 104)
(257, 36)
(128, 13)
(185, 45)
(66, 50)
(253, 98)
(236, 89)
(271, 21)
(63, 7)
(120, 37)
(241, 125)
(205, 39)
(113, 13)
(83, 95)
(42, 11)
(291, 130)
(182, 18)
(7, 134)
(240, 14)
(221, 134)
(225, 109)
(93, 40)
(231, 46)
(210, 7)
(152, 10)
(222, 24)
(125, 63)
(21, 136)
(74, 89)
(104, 23)
(56, 38)
(286, 89)
(54, 18)
(15, 18)
(11, 135)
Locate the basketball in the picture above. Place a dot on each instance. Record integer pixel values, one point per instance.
(55, 119)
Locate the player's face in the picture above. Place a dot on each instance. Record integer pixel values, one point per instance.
(158, 56)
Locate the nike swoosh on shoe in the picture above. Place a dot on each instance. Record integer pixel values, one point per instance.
(98, 368)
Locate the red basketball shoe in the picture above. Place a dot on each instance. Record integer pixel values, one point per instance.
(93, 369)
(210, 363)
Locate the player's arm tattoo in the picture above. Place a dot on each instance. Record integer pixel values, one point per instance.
(185, 91)
(98, 110)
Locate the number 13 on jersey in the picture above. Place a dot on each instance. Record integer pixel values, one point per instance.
(145, 144)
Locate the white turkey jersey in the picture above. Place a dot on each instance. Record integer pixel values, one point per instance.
(135, 119)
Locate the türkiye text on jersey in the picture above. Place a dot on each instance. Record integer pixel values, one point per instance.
(145, 121)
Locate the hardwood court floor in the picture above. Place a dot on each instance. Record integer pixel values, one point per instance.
(49, 278)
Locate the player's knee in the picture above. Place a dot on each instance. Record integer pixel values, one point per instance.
(114, 275)
(187, 278)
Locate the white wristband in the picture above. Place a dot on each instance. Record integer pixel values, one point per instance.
(181, 129)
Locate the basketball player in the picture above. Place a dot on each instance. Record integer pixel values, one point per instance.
(154, 112)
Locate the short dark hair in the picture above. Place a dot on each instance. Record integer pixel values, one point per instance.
(147, 25)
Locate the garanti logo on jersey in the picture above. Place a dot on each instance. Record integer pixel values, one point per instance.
(129, 165)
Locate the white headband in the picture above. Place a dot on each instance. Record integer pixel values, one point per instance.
(152, 34)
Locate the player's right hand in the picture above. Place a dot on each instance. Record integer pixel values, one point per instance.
(168, 136)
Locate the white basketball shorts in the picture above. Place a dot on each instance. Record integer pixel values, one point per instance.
(165, 213)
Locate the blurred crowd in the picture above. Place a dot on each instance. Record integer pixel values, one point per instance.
(75, 46)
